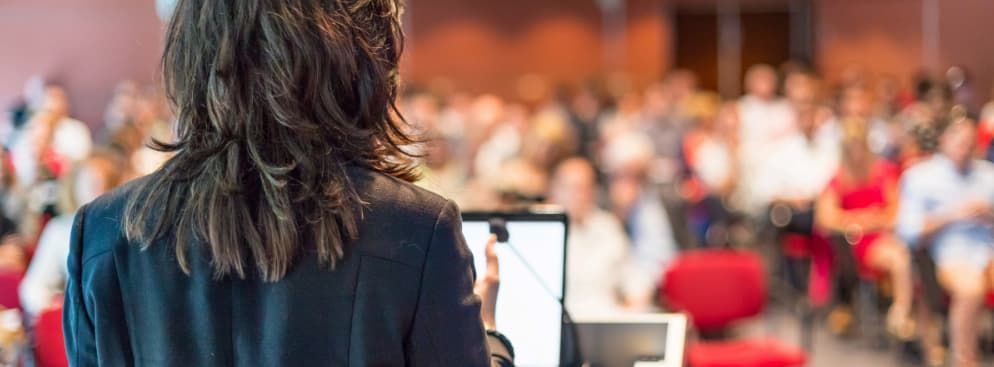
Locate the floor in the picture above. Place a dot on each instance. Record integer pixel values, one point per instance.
(828, 350)
(832, 351)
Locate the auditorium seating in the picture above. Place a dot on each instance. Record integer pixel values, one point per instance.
(9, 283)
(717, 288)
(49, 348)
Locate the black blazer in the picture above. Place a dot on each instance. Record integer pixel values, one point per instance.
(402, 295)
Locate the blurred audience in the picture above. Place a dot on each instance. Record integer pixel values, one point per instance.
(985, 131)
(45, 277)
(42, 150)
(643, 173)
(51, 165)
(764, 120)
(669, 112)
(639, 205)
(51, 141)
(585, 108)
(11, 197)
(598, 279)
(710, 150)
(764, 157)
(947, 206)
(856, 102)
(860, 204)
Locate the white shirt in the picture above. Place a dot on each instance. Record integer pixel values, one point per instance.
(798, 168)
(501, 147)
(46, 274)
(72, 139)
(763, 122)
(597, 251)
(713, 163)
(762, 126)
(937, 187)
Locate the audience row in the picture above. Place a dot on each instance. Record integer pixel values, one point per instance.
(643, 174)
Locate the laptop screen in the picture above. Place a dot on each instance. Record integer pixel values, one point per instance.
(532, 268)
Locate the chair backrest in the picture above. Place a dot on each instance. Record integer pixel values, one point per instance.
(50, 348)
(9, 284)
(715, 287)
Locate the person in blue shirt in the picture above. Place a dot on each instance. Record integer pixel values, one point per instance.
(947, 205)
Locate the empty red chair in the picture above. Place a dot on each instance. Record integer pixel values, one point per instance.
(9, 283)
(717, 288)
(50, 348)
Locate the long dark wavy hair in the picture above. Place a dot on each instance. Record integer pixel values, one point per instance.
(274, 99)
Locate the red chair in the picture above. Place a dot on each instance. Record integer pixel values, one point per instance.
(50, 348)
(9, 284)
(716, 289)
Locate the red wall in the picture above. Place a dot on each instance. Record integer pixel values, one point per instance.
(966, 31)
(90, 45)
(884, 37)
(87, 45)
(489, 45)
(879, 35)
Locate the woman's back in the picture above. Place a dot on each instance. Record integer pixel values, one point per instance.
(400, 295)
(282, 230)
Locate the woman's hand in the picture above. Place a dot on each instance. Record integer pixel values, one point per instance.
(488, 285)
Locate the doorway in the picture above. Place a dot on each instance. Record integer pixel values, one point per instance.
(719, 43)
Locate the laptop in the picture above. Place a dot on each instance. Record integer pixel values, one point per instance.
(633, 340)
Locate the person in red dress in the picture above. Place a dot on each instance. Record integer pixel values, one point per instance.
(861, 203)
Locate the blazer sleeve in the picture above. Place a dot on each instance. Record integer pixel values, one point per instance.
(78, 326)
(447, 329)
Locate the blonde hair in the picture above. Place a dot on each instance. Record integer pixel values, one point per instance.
(703, 106)
(855, 133)
(106, 162)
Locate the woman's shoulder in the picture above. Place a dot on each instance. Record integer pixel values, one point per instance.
(97, 227)
(385, 192)
(399, 219)
(112, 204)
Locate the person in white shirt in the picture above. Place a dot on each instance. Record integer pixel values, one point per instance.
(947, 207)
(801, 164)
(598, 247)
(45, 277)
(791, 178)
(765, 120)
(50, 138)
(504, 142)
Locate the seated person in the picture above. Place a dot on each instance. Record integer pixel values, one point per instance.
(598, 247)
(710, 150)
(638, 203)
(947, 204)
(766, 121)
(45, 278)
(51, 140)
(798, 170)
(861, 203)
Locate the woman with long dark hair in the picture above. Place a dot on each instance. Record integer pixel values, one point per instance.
(284, 230)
